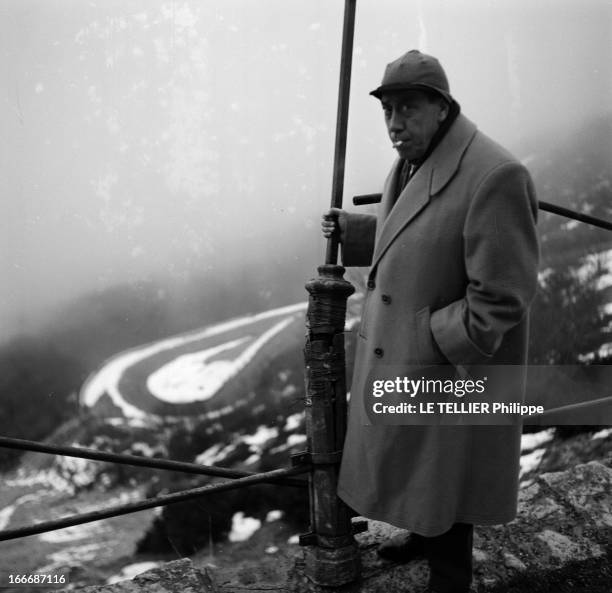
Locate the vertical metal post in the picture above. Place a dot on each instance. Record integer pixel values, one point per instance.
(344, 90)
(331, 553)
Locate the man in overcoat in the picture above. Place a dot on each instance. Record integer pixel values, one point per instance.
(453, 257)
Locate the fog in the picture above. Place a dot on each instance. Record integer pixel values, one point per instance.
(159, 140)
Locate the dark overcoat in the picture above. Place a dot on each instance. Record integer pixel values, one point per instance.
(453, 271)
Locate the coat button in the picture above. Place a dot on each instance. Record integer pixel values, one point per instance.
(379, 352)
(386, 299)
(371, 284)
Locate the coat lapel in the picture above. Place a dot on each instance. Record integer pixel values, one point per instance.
(429, 180)
(410, 202)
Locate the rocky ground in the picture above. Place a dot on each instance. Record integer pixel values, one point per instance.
(560, 542)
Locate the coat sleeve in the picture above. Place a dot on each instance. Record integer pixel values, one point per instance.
(358, 245)
(501, 258)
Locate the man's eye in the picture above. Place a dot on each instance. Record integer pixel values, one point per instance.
(406, 108)
(387, 112)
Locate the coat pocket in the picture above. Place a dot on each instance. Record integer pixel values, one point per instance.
(427, 349)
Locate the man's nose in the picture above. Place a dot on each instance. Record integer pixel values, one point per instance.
(395, 122)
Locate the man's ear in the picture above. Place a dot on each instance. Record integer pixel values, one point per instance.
(443, 113)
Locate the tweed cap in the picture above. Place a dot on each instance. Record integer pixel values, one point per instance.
(414, 71)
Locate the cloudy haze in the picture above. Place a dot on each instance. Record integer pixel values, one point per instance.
(145, 139)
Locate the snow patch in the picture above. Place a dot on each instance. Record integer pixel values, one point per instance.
(215, 454)
(243, 527)
(48, 478)
(531, 461)
(296, 439)
(293, 421)
(274, 516)
(289, 390)
(218, 413)
(76, 471)
(536, 439)
(262, 436)
(145, 450)
(5, 516)
(591, 261)
(602, 434)
(279, 449)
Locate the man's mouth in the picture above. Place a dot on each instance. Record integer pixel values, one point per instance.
(399, 143)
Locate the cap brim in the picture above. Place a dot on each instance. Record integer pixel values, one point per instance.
(399, 87)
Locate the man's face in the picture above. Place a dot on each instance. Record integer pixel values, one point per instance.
(412, 119)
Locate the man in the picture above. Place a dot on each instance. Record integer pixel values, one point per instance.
(453, 254)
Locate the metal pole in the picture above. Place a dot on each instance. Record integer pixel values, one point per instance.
(598, 222)
(331, 553)
(136, 460)
(344, 88)
(580, 413)
(149, 503)
(542, 205)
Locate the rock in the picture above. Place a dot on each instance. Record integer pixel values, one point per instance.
(511, 561)
(179, 576)
(562, 518)
(479, 556)
(559, 537)
(587, 489)
(565, 549)
(528, 493)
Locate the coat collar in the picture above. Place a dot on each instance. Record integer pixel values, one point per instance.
(431, 178)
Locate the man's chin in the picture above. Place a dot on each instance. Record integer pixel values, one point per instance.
(407, 154)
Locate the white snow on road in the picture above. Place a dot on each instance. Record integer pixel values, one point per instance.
(189, 378)
(106, 380)
(7, 512)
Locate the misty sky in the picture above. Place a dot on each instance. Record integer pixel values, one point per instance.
(144, 139)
